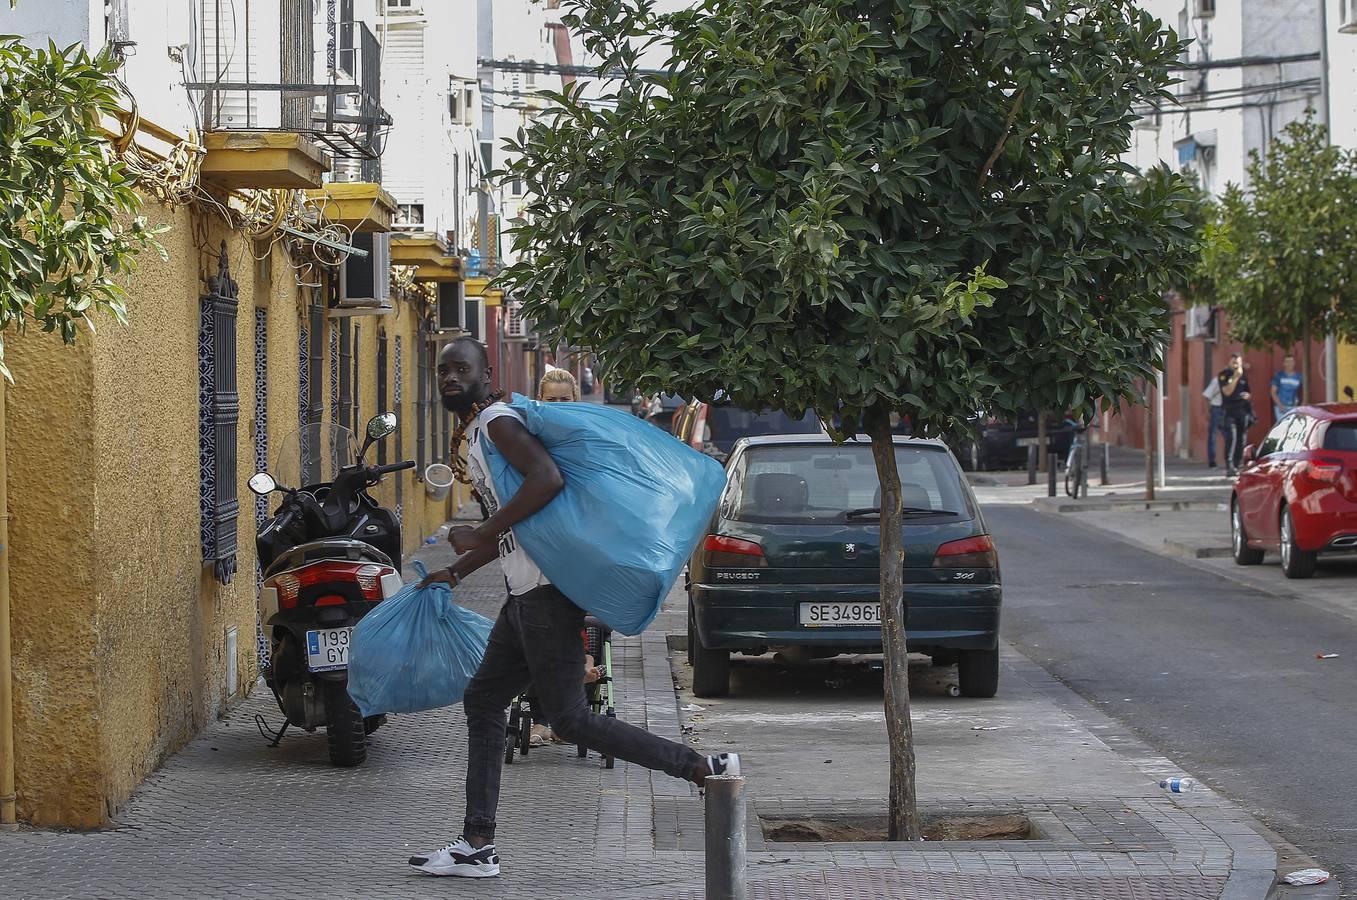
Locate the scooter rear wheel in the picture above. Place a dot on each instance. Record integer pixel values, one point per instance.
(345, 732)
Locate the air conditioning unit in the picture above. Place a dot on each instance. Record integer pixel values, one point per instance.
(474, 309)
(1200, 323)
(1347, 16)
(451, 306)
(365, 281)
(515, 326)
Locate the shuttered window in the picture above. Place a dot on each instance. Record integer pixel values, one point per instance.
(218, 422)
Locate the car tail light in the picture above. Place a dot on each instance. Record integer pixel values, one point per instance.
(1325, 471)
(968, 553)
(732, 553)
(368, 577)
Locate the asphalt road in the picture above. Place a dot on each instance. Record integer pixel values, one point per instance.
(1221, 678)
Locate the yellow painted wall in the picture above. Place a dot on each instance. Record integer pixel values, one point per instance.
(119, 629)
(1347, 368)
(53, 582)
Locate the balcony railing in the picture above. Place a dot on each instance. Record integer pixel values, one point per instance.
(283, 67)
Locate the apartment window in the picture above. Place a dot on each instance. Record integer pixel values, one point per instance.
(1206, 8)
(516, 187)
(402, 5)
(410, 216)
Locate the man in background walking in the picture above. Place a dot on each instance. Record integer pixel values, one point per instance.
(1216, 424)
(1286, 386)
(1237, 403)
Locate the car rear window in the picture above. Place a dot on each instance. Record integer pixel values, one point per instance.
(1341, 436)
(824, 483)
(730, 423)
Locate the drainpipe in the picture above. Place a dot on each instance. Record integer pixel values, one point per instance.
(1330, 340)
(7, 795)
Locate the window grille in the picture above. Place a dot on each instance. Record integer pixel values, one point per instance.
(421, 405)
(261, 460)
(218, 420)
(357, 368)
(344, 411)
(381, 388)
(398, 392)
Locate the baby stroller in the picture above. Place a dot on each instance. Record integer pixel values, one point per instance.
(524, 712)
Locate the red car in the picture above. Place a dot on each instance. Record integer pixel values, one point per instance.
(1297, 490)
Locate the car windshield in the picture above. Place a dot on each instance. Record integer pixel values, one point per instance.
(728, 424)
(1341, 436)
(824, 483)
(314, 454)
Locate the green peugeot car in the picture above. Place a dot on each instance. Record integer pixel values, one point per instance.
(791, 561)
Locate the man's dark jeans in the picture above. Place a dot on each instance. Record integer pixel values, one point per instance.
(1236, 434)
(1214, 427)
(536, 640)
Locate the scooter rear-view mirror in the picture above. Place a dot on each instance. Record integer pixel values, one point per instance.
(263, 484)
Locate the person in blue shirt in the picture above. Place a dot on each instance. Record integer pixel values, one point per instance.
(1286, 386)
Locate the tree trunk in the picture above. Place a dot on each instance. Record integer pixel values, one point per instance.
(1149, 441)
(1043, 440)
(1304, 367)
(904, 822)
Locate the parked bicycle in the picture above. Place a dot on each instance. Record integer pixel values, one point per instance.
(1076, 464)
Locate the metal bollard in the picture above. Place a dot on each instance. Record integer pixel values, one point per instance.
(725, 837)
(1051, 465)
(1031, 464)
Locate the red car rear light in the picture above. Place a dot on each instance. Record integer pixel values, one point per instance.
(368, 577)
(968, 553)
(1325, 471)
(731, 552)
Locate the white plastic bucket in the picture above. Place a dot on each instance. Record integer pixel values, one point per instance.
(438, 481)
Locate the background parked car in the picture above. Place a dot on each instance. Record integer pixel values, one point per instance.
(792, 560)
(713, 428)
(670, 404)
(997, 443)
(1297, 491)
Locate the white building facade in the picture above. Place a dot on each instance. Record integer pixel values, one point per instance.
(1252, 68)
(430, 85)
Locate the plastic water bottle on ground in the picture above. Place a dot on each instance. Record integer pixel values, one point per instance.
(1179, 785)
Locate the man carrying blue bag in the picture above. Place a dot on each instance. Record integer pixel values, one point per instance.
(536, 638)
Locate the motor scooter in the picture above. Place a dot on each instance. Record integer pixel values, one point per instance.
(330, 553)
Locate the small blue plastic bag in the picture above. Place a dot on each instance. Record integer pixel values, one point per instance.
(635, 504)
(416, 651)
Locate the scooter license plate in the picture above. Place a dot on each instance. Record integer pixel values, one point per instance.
(328, 649)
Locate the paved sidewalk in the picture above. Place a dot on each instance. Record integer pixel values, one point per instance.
(231, 817)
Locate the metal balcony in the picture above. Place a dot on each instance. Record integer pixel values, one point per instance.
(280, 67)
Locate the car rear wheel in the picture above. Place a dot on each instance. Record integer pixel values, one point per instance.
(1296, 563)
(1244, 555)
(711, 668)
(978, 672)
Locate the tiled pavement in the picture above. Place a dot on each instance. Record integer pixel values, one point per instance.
(231, 817)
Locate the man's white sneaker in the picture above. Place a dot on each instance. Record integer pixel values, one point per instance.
(459, 859)
(724, 764)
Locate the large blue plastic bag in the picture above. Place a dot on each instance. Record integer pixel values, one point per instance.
(635, 503)
(416, 651)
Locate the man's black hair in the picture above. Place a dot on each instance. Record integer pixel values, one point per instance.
(469, 341)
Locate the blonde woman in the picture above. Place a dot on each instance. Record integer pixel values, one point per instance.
(558, 386)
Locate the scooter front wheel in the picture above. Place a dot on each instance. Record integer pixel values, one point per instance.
(345, 731)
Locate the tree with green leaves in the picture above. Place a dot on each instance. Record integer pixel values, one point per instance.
(68, 224)
(861, 207)
(1284, 267)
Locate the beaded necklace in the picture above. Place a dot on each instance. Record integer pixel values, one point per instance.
(458, 461)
